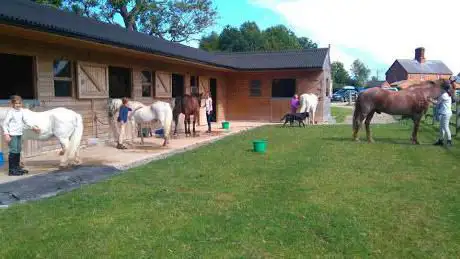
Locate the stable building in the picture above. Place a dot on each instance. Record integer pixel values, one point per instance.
(54, 58)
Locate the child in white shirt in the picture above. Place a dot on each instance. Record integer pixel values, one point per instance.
(13, 127)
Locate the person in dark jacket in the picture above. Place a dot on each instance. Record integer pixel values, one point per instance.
(122, 120)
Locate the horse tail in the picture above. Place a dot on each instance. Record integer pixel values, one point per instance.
(357, 113)
(167, 123)
(284, 117)
(75, 138)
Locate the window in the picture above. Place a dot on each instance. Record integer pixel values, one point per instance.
(194, 85)
(147, 83)
(328, 88)
(63, 79)
(283, 87)
(255, 88)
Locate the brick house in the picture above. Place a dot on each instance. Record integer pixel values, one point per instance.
(417, 69)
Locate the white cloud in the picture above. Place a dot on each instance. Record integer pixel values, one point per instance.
(387, 29)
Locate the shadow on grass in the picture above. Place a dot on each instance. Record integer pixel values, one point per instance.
(397, 141)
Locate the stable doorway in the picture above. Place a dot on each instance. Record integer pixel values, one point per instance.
(213, 89)
(177, 85)
(119, 82)
(17, 76)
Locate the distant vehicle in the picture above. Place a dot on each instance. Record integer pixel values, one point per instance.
(342, 95)
(360, 89)
(457, 92)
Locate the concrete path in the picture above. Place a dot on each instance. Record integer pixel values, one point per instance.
(99, 162)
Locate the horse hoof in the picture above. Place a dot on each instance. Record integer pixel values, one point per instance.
(370, 141)
(356, 140)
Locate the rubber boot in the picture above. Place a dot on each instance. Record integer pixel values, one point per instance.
(18, 163)
(439, 142)
(13, 165)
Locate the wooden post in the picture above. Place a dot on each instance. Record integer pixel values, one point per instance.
(457, 116)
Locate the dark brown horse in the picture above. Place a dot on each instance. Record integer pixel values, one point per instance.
(188, 105)
(412, 102)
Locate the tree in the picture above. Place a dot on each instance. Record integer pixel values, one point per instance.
(231, 39)
(360, 72)
(280, 38)
(306, 43)
(210, 42)
(340, 76)
(252, 36)
(174, 20)
(248, 37)
(53, 3)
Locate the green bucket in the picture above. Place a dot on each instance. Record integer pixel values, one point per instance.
(259, 146)
(225, 125)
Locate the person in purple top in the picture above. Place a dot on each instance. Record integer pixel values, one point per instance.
(294, 103)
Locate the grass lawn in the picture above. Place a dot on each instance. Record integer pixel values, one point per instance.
(340, 113)
(314, 193)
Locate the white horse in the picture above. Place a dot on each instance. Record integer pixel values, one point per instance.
(62, 123)
(159, 111)
(309, 103)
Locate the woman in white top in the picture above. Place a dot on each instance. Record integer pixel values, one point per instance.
(444, 112)
(208, 106)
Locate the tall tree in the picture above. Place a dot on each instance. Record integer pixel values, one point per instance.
(53, 3)
(210, 42)
(340, 76)
(174, 20)
(231, 39)
(360, 72)
(252, 35)
(280, 38)
(248, 37)
(306, 43)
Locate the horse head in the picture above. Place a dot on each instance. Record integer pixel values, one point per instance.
(449, 85)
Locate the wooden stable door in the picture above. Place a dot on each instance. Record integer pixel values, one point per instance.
(93, 81)
(203, 88)
(278, 108)
(163, 84)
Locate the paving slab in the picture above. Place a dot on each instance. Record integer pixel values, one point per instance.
(99, 162)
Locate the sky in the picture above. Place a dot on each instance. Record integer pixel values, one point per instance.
(374, 31)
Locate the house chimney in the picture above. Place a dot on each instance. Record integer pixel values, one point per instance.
(420, 54)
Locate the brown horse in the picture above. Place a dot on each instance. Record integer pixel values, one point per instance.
(188, 105)
(412, 102)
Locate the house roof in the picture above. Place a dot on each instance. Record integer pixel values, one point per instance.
(28, 14)
(412, 66)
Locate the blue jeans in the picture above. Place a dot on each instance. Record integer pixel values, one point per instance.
(208, 119)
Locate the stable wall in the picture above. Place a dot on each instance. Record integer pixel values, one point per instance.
(94, 110)
(242, 106)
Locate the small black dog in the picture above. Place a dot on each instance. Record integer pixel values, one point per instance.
(291, 117)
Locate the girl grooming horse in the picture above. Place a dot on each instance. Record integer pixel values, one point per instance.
(412, 103)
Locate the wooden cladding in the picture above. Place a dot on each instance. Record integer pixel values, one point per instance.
(93, 81)
(203, 84)
(163, 84)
